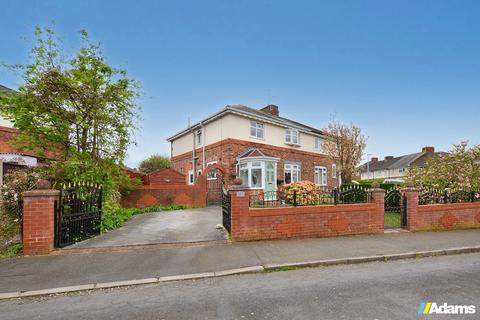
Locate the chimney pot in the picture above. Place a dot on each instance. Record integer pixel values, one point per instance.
(271, 109)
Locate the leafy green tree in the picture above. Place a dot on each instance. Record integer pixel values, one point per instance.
(80, 109)
(153, 163)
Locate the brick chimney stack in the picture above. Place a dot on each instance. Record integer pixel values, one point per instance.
(271, 109)
(388, 157)
(374, 160)
(428, 150)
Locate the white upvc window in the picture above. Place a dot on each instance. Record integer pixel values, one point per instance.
(212, 174)
(292, 136)
(320, 176)
(191, 177)
(334, 171)
(198, 137)
(252, 174)
(256, 130)
(292, 172)
(318, 143)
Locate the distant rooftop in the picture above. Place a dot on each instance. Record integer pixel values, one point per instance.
(418, 159)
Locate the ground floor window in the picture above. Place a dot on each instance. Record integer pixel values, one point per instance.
(292, 172)
(320, 176)
(191, 177)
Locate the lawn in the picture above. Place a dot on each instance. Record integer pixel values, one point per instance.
(392, 219)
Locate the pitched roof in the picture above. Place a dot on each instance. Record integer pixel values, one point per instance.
(253, 152)
(418, 159)
(3, 88)
(254, 114)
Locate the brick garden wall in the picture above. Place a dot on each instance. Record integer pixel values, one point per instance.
(308, 221)
(440, 216)
(168, 186)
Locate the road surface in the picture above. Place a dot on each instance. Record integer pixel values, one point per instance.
(391, 290)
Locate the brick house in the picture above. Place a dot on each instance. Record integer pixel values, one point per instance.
(13, 157)
(262, 148)
(396, 167)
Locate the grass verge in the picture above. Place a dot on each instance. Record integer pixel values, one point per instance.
(11, 251)
(392, 219)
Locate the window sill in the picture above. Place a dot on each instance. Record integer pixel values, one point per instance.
(252, 137)
(293, 144)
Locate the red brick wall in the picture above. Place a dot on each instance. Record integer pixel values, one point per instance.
(226, 151)
(166, 176)
(440, 216)
(38, 221)
(7, 136)
(149, 195)
(309, 221)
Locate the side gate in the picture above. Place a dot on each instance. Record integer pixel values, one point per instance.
(395, 209)
(78, 213)
(226, 210)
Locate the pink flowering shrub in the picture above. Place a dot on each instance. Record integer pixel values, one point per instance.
(457, 170)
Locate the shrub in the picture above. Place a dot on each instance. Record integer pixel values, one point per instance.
(306, 191)
(15, 184)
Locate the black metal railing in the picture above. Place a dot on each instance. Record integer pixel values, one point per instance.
(267, 199)
(435, 196)
(226, 210)
(78, 214)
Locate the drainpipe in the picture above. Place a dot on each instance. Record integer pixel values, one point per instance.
(203, 147)
(193, 157)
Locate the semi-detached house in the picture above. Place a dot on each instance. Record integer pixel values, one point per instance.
(262, 148)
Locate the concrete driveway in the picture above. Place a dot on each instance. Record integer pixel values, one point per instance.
(179, 226)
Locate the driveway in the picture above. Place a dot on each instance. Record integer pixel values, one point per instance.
(190, 225)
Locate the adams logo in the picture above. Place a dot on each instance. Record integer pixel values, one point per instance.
(434, 308)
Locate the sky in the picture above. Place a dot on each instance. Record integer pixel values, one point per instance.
(406, 72)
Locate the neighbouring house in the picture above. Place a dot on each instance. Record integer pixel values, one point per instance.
(395, 167)
(12, 157)
(262, 148)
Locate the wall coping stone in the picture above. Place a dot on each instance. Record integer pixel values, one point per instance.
(41, 193)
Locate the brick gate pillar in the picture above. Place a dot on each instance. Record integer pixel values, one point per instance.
(411, 195)
(239, 208)
(376, 221)
(38, 221)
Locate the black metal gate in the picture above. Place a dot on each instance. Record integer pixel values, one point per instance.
(404, 212)
(393, 215)
(226, 210)
(78, 214)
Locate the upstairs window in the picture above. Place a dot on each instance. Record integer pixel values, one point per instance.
(318, 143)
(320, 176)
(334, 170)
(256, 130)
(292, 136)
(199, 137)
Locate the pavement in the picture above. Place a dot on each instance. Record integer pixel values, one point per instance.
(61, 270)
(392, 290)
(190, 225)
